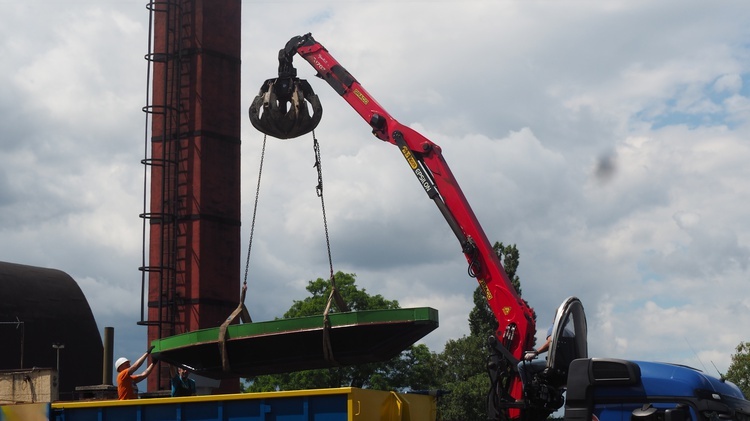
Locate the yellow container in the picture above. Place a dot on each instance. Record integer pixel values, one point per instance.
(338, 404)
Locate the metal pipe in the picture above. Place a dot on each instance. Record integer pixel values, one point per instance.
(109, 344)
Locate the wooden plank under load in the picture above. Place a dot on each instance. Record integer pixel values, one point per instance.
(288, 345)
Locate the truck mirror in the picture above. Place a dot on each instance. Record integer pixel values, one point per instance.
(648, 413)
(644, 413)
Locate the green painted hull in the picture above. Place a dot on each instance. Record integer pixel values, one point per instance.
(287, 345)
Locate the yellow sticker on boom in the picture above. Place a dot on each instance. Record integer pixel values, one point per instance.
(486, 290)
(409, 157)
(361, 96)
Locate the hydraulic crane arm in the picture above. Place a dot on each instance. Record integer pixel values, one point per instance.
(516, 329)
(426, 160)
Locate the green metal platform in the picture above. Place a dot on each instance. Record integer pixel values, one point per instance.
(288, 345)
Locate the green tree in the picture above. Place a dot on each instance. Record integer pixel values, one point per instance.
(463, 362)
(739, 370)
(464, 375)
(355, 298)
(510, 258)
(414, 368)
(481, 320)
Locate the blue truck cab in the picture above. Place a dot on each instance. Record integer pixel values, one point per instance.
(608, 389)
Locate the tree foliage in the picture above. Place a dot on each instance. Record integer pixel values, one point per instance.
(510, 257)
(482, 323)
(414, 368)
(739, 370)
(464, 360)
(357, 299)
(481, 320)
(460, 369)
(464, 375)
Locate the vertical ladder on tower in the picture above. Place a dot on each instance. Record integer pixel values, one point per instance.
(164, 199)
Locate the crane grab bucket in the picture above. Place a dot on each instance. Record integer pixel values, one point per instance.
(283, 106)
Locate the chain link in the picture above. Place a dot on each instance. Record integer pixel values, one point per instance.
(319, 190)
(255, 209)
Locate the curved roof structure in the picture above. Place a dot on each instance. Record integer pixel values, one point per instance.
(40, 307)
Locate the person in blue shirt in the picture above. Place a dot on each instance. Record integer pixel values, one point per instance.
(530, 365)
(182, 384)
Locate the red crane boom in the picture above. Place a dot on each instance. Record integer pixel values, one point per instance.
(288, 117)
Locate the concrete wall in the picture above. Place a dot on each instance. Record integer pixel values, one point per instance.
(26, 386)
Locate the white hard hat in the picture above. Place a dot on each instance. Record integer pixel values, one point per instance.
(121, 361)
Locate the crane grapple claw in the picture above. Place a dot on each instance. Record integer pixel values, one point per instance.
(283, 108)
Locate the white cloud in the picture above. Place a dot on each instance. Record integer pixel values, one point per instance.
(728, 83)
(608, 141)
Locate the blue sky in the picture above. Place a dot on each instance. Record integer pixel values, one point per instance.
(710, 104)
(526, 98)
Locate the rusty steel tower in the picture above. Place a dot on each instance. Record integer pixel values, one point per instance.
(191, 228)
